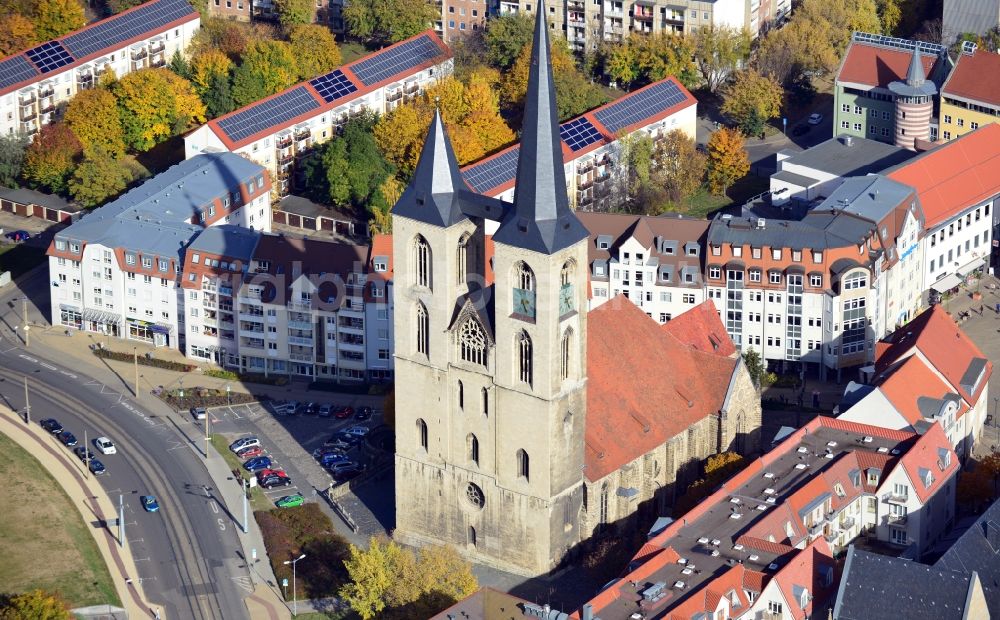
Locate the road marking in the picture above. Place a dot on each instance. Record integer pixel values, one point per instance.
(244, 582)
(69, 374)
(222, 524)
(49, 366)
(140, 559)
(176, 445)
(29, 358)
(215, 508)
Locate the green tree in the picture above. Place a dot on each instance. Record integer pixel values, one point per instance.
(719, 51)
(575, 94)
(93, 117)
(54, 18)
(51, 157)
(505, 37)
(16, 33)
(218, 97)
(12, 151)
(179, 65)
(207, 64)
(755, 365)
(680, 168)
(294, 12)
(349, 170)
(389, 21)
(314, 49)
(155, 104)
(751, 100)
(99, 176)
(33, 605)
(117, 6)
(268, 67)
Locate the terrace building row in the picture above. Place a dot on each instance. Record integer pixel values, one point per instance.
(36, 84)
(278, 131)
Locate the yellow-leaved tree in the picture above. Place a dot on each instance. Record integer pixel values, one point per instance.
(93, 117)
(155, 104)
(727, 159)
(54, 18)
(751, 100)
(16, 33)
(314, 49)
(208, 64)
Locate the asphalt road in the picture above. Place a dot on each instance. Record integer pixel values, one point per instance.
(187, 554)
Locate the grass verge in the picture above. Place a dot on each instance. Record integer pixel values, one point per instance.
(20, 258)
(40, 521)
(258, 501)
(704, 204)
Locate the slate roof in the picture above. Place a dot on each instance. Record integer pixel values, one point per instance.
(26, 196)
(880, 587)
(966, 79)
(872, 197)
(817, 231)
(227, 240)
(862, 157)
(978, 549)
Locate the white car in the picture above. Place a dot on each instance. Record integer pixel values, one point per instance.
(105, 445)
(815, 118)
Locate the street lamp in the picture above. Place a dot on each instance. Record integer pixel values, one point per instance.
(295, 594)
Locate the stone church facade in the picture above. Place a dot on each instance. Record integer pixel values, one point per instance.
(493, 433)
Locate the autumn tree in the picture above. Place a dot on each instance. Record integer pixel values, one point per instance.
(218, 97)
(718, 52)
(92, 115)
(755, 365)
(679, 168)
(843, 17)
(727, 159)
(16, 33)
(890, 14)
(505, 36)
(640, 60)
(155, 104)
(389, 21)
(99, 176)
(12, 151)
(51, 157)
(400, 136)
(117, 6)
(390, 581)
(54, 18)
(575, 94)
(294, 12)
(207, 64)
(33, 605)
(751, 100)
(800, 47)
(268, 67)
(314, 49)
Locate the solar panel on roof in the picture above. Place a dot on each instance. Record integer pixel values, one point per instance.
(49, 56)
(494, 172)
(15, 69)
(267, 114)
(120, 28)
(333, 86)
(639, 106)
(388, 63)
(579, 133)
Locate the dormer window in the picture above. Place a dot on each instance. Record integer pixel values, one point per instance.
(380, 265)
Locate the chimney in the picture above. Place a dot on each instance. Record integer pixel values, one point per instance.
(848, 140)
(588, 612)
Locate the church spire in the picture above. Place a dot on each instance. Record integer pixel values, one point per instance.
(541, 219)
(432, 196)
(915, 76)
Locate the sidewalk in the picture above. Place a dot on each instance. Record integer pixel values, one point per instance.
(90, 500)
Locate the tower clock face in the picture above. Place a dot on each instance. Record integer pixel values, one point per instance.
(524, 302)
(566, 299)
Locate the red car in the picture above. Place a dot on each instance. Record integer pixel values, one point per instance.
(249, 453)
(343, 413)
(267, 473)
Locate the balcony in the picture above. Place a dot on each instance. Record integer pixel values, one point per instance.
(156, 47)
(394, 95)
(28, 114)
(252, 344)
(46, 91)
(846, 523)
(894, 498)
(896, 519)
(576, 18)
(300, 357)
(285, 157)
(27, 98)
(249, 316)
(47, 104)
(575, 5)
(301, 325)
(284, 141)
(817, 529)
(411, 88)
(300, 341)
(139, 54)
(157, 60)
(645, 14)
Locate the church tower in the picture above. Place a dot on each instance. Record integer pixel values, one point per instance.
(491, 377)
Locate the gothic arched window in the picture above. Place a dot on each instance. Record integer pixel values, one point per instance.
(422, 433)
(604, 504)
(567, 273)
(524, 358)
(523, 465)
(423, 330)
(524, 277)
(564, 352)
(422, 262)
(473, 445)
(472, 342)
(462, 263)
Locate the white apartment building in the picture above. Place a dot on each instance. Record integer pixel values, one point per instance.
(592, 149)
(36, 82)
(379, 307)
(116, 270)
(278, 130)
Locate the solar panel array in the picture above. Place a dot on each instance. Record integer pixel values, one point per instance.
(15, 69)
(639, 106)
(493, 172)
(387, 63)
(333, 86)
(49, 56)
(120, 28)
(267, 114)
(579, 133)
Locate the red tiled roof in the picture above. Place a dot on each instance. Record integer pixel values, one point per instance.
(909, 383)
(803, 571)
(633, 403)
(967, 78)
(926, 455)
(874, 65)
(701, 328)
(754, 580)
(759, 544)
(381, 246)
(956, 175)
(708, 598)
(949, 350)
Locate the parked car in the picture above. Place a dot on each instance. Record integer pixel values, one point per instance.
(19, 235)
(244, 442)
(105, 445)
(800, 130)
(311, 409)
(198, 413)
(332, 458)
(52, 425)
(149, 503)
(67, 438)
(284, 408)
(815, 118)
(358, 430)
(83, 453)
(342, 413)
(96, 467)
(267, 471)
(252, 451)
(319, 452)
(346, 471)
(275, 481)
(364, 413)
(290, 501)
(257, 463)
(325, 410)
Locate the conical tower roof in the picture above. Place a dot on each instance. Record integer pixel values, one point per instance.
(915, 76)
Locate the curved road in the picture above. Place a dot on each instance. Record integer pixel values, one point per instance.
(187, 554)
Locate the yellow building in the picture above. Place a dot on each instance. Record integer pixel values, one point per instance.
(971, 95)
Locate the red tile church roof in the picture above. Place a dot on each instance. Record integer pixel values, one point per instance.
(701, 328)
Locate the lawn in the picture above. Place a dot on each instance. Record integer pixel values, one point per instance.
(352, 50)
(258, 501)
(45, 540)
(704, 204)
(19, 258)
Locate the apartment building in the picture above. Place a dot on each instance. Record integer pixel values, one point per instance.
(460, 17)
(656, 262)
(761, 546)
(592, 148)
(957, 184)
(278, 131)
(116, 270)
(379, 307)
(885, 89)
(968, 99)
(326, 12)
(35, 84)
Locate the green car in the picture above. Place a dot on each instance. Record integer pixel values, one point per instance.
(290, 501)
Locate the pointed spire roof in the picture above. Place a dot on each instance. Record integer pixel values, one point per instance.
(432, 196)
(541, 219)
(915, 76)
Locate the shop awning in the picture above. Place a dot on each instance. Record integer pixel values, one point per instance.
(946, 283)
(162, 328)
(101, 316)
(971, 266)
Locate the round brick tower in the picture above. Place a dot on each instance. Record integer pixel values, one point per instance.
(914, 100)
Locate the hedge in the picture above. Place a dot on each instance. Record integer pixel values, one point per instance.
(143, 360)
(247, 377)
(206, 397)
